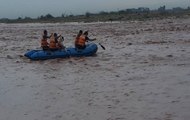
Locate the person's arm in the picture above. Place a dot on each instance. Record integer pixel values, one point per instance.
(88, 39)
(59, 36)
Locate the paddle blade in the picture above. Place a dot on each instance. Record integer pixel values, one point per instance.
(102, 46)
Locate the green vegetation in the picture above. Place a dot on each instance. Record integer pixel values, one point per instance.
(141, 13)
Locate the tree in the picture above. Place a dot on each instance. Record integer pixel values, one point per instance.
(63, 15)
(19, 18)
(87, 14)
(103, 13)
(49, 16)
(162, 9)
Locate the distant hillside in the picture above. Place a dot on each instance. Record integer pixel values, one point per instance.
(141, 13)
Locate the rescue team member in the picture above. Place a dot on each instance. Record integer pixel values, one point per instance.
(77, 37)
(80, 43)
(53, 45)
(60, 43)
(44, 42)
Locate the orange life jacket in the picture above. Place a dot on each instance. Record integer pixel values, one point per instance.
(81, 41)
(44, 43)
(52, 43)
(77, 39)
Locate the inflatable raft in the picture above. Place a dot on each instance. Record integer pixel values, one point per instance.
(90, 50)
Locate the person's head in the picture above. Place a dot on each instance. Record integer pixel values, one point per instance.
(55, 34)
(86, 33)
(80, 31)
(61, 39)
(45, 32)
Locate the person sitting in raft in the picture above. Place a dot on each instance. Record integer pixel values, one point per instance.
(53, 42)
(77, 37)
(80, 44)
(60, 43)
(44, 42)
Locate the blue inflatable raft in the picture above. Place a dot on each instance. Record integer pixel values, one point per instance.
(90, 50)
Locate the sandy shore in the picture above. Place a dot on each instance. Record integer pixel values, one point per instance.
(144, 73)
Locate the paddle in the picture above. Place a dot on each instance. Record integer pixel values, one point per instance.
(102, 46)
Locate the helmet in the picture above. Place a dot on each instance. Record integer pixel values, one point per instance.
(45, 31)
(80, 31)
(55, 34)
